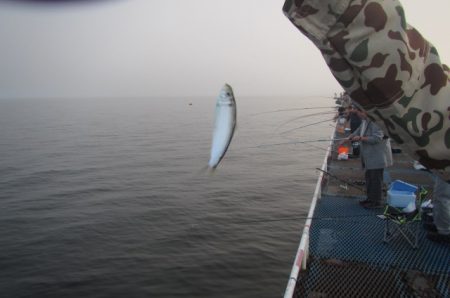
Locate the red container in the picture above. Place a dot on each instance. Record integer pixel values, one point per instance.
(343, 150)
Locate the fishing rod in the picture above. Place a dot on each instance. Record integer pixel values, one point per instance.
(321, 148)
(303, 126)
(257, 221)
(342, 180)
(302, 142)
(303, 117)
(303, 218)
(292, 109)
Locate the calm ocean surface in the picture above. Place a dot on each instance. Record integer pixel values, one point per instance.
(108, 197)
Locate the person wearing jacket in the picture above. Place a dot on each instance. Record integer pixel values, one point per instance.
(376, 155)
(392, 72)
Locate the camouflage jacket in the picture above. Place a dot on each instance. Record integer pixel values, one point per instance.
(387, 67)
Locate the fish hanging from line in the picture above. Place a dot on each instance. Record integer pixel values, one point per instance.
(224, 125)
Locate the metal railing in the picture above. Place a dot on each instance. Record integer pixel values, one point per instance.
(301, 257)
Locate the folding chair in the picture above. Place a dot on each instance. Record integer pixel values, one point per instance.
(401, 223)
(397, 222)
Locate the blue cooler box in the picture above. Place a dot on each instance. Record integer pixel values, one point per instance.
(400, 194)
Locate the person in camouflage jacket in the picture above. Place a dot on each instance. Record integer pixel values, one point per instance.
(392, 72)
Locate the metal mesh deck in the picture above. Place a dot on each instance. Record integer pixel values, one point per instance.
(348, 257)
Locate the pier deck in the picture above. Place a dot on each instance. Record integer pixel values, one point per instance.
(347, 254)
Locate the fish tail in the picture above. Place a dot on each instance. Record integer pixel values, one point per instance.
(206, 169)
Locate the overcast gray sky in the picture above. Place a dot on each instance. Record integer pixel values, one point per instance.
(156, 48)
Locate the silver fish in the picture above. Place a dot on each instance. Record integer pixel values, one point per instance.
(225, 123)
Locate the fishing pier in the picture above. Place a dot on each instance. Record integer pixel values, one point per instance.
(348, 251)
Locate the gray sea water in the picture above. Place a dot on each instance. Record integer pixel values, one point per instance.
(109, 197)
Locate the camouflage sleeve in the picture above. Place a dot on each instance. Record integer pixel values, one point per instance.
(387, 67)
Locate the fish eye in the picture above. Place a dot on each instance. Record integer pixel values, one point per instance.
(228, 94)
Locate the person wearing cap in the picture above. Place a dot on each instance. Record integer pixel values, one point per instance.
(394, 73)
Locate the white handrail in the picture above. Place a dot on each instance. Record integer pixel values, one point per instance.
(303, 249)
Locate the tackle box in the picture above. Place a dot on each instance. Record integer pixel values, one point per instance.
(401, 194)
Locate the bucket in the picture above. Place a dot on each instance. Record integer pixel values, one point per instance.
(355, 148)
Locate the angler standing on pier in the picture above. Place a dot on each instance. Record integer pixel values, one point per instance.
(375, 156)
